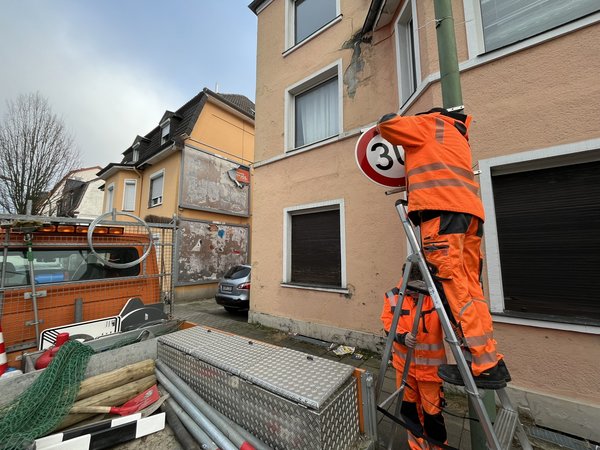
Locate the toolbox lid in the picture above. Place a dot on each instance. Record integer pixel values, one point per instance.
(228, 352)
(300, 377)
(305, 379)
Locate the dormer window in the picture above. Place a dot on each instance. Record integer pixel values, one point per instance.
(165, 130)
(135, 154)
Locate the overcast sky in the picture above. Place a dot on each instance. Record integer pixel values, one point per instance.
(110, 68)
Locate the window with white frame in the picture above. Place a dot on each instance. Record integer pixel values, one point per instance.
(135, 153)
(156, 188)
(129, 195)
(308, 16)
(506, 22)
(542, 211)
(409, 71)
(314, 245)
(315, 109)
(110, 196)
(165, 130)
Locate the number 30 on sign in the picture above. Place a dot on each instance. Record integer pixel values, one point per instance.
(380, 161)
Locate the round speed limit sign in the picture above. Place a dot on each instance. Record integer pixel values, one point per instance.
(380, 161)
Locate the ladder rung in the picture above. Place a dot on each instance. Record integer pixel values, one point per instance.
(505, 425)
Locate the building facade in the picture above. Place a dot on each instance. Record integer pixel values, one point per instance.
(77, 194)
(193, 168)
(327, 242)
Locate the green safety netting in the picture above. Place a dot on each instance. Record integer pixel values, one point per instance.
(43, 406)
(47, 401)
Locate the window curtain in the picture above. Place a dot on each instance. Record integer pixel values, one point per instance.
(109, 201)
(157, 187)
(129, 197)
(317, 113)
(508, 21)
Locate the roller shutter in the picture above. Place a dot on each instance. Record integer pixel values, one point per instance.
(549, 241)
(316, 257)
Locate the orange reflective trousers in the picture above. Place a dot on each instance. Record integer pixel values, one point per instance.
(422, 404)
(451, 242)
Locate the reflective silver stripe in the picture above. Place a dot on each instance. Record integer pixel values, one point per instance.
(430, 361)
(441, 166)
(392, 299)
(486, 358)
(462, 310)
(430, 347)
(469, 303)
(445, 182)
(474, 341)
(424, 361)
(439, 129)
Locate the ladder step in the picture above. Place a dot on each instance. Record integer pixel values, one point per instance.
(505, 425)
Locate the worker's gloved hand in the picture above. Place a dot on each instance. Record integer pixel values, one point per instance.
(399, 338)
(384, 118)
(410, 341)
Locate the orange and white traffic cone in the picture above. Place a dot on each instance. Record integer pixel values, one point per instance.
(3, 358)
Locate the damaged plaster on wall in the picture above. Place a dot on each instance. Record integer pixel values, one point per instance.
(357, 63)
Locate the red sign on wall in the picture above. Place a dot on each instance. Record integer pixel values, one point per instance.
(242, 175)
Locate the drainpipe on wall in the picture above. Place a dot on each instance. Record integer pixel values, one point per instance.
(139, 192)
(452, 99)
(446, 40)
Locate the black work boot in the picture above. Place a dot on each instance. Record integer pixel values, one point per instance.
(504, 370)
(492, 378)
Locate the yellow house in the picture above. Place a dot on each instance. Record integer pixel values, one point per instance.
(193, 168)
(327, 242)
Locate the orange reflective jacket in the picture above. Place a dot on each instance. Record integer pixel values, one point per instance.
(429, 352)
(439, 172)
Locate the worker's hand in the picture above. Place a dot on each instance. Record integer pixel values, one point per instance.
(410, 341)
(386, 117)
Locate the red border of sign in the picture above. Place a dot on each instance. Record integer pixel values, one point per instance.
(360, 154)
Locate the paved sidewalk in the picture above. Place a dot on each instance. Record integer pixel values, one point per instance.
(208, 313)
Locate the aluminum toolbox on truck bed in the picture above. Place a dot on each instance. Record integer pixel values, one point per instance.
(288, 399)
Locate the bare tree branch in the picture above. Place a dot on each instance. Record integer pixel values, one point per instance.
(36, 151)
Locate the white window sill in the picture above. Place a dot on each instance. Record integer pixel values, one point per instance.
(315, 288)
(319, 143)
(293, 152)
(589, 329)
(312, 36)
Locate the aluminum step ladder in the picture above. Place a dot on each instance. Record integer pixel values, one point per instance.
(499, 435)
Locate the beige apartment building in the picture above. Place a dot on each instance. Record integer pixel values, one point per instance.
(193, 168)
(327, 242)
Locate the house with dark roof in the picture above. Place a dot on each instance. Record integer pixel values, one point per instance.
(76, 195)
(194, 168)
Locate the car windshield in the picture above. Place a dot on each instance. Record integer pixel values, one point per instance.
(52, 265)
(238, 272)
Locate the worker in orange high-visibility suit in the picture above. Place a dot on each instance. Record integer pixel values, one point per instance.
(443, 201)
(423, 396)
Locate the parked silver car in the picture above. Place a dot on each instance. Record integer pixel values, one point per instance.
(233, 292)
